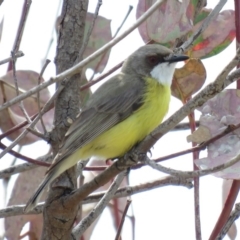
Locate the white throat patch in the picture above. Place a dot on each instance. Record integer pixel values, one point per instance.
(163, 72)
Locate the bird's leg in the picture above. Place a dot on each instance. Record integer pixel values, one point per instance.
(135, 156)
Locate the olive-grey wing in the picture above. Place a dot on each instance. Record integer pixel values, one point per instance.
(104, 110)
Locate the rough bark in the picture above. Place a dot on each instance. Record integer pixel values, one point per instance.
(58, 220)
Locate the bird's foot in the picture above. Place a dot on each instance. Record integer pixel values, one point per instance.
(134, 156)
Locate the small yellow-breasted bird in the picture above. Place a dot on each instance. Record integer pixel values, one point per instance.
(122, 112)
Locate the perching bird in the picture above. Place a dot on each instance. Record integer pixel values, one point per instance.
(122, 112)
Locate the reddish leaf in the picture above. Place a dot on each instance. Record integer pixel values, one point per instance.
(219, 34)
(12, 116)
(171, 20)
(24, 187)
(188, 79)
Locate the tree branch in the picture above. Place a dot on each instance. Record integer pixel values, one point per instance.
(95, 197)
(191, 174)
(213, 14)
(7, 172)
(232, 218)
(17, 55)
(98, 209)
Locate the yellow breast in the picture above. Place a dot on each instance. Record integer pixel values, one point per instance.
(121, 138)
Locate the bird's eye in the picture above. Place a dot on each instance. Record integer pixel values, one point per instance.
(153, 60)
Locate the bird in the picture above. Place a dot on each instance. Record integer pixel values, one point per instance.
(120, 114)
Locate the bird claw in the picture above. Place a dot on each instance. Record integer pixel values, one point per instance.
(134, 156)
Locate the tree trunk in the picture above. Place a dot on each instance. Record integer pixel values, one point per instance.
(58, 220)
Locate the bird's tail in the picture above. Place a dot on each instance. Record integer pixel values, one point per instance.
(57, 168)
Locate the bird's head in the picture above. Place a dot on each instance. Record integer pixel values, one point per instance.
(154, 61)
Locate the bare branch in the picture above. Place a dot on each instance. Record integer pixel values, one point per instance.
(98, 79)
(98, 209)
(37, 133)
(25, 158)
(226, 211)
(38, 95)
(124, 20)
(232, 218)
(121, 192)
(25, 11)
(122, 220)
(7, 172)
(85, 43)
(99, 63)
(17, 55)
(186, 45)
(17, 89)
(131, 190)
(192, 174)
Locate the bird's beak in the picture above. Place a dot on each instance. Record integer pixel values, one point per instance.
(175, 58)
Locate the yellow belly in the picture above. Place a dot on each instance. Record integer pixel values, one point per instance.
(121, 138)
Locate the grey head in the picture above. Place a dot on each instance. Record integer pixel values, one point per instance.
(154, 61)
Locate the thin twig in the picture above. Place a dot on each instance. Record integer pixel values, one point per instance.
(38, 95)
(183, 126)
(52, 33)
(228, 206)
(17, 55)
(130, 8)
(25, 158)
(103, 56)
(17, 89)
(75, 69)
(6, 180)
(17, 127)
(98, 79)
(7, 172)
(85, 43)
(192, 174)
(196, 181)
(80, 208)
(98, 209)
(200, 147)
(186, 45)
(38, 134)
(122, 220)
(95, 197)
(232, 218)
(25, 11)
(46, 107)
